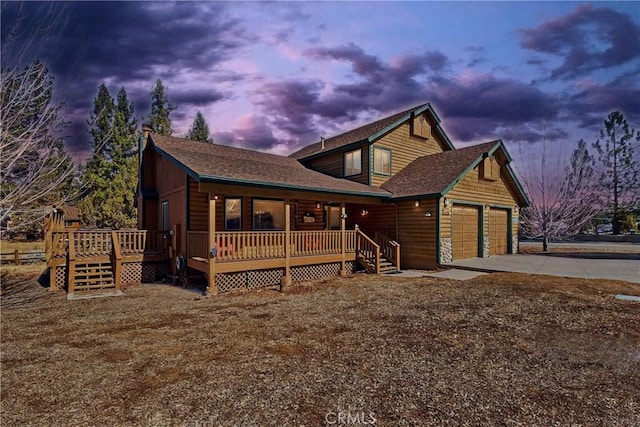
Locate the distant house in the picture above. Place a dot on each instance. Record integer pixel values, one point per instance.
(391, 194)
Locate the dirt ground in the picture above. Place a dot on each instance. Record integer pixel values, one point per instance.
(501, 349)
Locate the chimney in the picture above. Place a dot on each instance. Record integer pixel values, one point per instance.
(322, 142)
(146, 130)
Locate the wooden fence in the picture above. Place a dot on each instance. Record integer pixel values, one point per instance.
(19, 258)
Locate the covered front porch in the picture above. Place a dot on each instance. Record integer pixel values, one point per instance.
(288, 239)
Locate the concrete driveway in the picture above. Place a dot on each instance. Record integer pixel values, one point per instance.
(598, 265)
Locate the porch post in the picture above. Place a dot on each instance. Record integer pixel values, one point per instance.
(343, 237)
(212, 289)
(286, 279)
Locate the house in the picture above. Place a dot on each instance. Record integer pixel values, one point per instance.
(393, 193)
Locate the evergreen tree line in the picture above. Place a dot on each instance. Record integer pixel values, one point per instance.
(111, 174)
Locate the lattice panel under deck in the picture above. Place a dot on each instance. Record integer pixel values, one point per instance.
(264, 278)
(229, 282)
(152, 271)
(61, 276)
(131, 273)
(256, 279)
(312, 272)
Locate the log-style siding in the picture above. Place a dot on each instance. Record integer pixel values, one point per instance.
(302, 207)
(405, 148)
(171, 186)
(417, 233)
(198, 208)
(333, 164)
(377, 218)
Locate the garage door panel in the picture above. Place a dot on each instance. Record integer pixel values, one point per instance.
(465, 231)
(498, 231)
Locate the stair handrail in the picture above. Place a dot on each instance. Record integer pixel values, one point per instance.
(389, 247)
(369, 250)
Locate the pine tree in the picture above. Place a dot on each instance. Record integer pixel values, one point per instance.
(96, 176)
(160, 110)
(110, 176)
(616, 147)
(124, 162)
(199, 130)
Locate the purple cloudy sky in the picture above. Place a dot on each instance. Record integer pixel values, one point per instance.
(277, 76)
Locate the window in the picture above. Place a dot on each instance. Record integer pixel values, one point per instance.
(233, 214)
(353, 162)
(268, 214)
(165, 216)
(382, 161)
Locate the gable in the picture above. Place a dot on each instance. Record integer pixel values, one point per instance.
(427, 123)
(474, 188)
(405, 146)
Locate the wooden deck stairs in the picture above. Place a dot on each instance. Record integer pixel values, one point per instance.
(93, 278)
(379, 256)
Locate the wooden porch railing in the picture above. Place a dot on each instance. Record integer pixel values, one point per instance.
(248, 245)
(134, 242)
(252, 245)
(100, 242)
(367, 252)
(91, 243)
(57, 245)
(389, 248)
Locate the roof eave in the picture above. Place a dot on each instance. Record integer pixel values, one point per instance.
(251, 183)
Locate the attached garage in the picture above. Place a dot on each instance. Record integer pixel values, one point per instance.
(466, 226)
(498, 231)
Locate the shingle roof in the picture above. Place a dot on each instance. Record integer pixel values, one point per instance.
(207, 162)
(359, 134)
(434, 173)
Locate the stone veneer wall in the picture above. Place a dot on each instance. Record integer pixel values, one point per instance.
(446, 250)
(485, 246)
(514, 244)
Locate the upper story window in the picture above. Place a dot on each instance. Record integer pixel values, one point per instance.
(381, 161)
(353, 162)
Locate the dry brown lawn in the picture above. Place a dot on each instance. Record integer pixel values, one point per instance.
(502, 349)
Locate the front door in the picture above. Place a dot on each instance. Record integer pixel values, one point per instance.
(332, 217)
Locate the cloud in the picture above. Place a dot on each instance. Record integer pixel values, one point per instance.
(480, 106)
(586, 39)
(594, 101)
(473, 106)
(131, 44)
(249, 131)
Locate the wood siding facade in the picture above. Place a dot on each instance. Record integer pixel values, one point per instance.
(405, 148)
(417, 233)
(333, 164)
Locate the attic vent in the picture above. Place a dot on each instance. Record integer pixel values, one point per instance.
(420, 127)
(490, 169)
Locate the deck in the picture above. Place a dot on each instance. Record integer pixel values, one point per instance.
(243, 251)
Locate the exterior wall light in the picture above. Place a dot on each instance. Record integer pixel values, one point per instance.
(427, 214)
(446, 202)
(364, 212)
(317, 205)
(417, 203)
